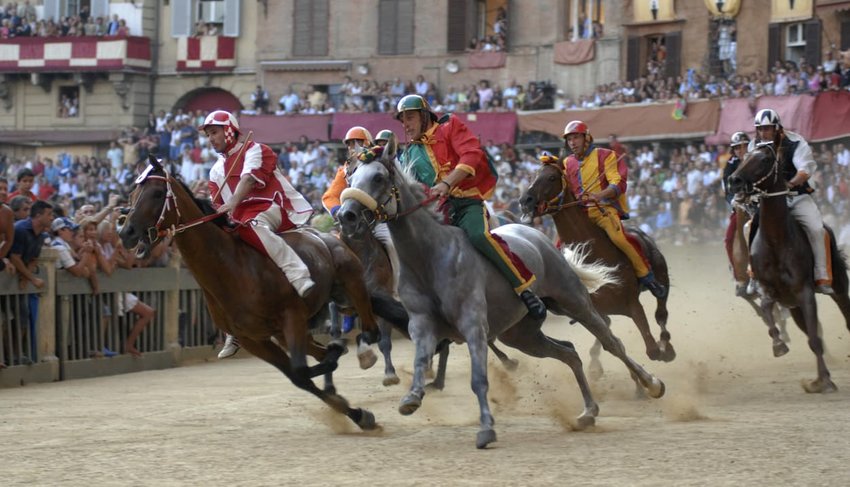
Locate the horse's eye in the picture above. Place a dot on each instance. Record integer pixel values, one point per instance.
(378, 178)
(552, 178)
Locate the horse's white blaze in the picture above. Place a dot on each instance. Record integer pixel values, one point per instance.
(360, 196)
(593, 275)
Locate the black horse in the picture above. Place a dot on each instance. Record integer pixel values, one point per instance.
(782, 260)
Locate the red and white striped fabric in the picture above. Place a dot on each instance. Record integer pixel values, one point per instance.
(209, 53)
(74, 54)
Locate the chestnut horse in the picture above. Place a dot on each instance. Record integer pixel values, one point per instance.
(781, 257)
(248, 296)
(550, 194)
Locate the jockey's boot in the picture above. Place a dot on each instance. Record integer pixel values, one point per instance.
(536, 308)
(303, 285)
(231, 346)
(656, 288)
(823, 286)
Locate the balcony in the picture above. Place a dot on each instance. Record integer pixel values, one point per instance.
(208, 53)
(64, 54)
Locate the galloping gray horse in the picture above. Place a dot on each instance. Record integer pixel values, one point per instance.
(450, 291)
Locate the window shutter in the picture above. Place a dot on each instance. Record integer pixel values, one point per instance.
(302, 26)
(457, 25)
(404, 27)
(100, 8)
(845, 35)
(232, 18)
(53, 10)
(181, 18)
(387, 26)
(811, 32)
(774, 45)
(321, 23)
(633, 58)
(673, 42)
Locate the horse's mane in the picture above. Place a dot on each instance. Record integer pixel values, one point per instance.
(205, 205)
(417, 188)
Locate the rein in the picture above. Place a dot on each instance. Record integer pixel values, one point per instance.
(774, 171)
(557, 204)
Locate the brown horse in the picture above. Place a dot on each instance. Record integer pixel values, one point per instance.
(550, 194)
(781, 257)
(248, 296)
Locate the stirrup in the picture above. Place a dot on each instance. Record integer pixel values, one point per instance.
(535, 305)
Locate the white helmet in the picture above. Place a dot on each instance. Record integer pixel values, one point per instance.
(766, 116)
(222, 118)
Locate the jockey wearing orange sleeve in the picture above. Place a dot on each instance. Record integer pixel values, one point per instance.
(249, 186)
(594, 177)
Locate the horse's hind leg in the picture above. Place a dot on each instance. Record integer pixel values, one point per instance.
(527, 337)
(351, 276)
(386, 347)
(806, 317)
(843, 302)
(507, 362)
(668, 353)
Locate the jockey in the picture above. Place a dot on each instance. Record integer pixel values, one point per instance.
(357, 139)
(797, 164)
(444, 154)
(255, 193)
(594, 176)
(383, 137)
(738, 144)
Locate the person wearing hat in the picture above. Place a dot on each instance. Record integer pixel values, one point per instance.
(797, 165)
(63, 230)
(445, 155)
(596, 177)
(738, 145)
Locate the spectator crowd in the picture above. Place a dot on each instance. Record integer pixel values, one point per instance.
(20, 20)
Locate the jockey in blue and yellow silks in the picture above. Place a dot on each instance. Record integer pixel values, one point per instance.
(595, 177)
(446, 155)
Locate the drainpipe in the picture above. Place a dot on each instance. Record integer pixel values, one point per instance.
(154, 58)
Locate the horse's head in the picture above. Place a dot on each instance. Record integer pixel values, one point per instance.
(372, 195)
(759, 171)
(548, 188)
(139, 225)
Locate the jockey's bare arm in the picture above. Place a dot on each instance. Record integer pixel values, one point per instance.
(246, 184)
(800, 178)
(444, 186)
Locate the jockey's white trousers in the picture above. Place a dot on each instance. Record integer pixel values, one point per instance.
(806, 213)
(279, 251)
(382, 233)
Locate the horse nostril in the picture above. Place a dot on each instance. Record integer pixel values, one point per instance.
(347, 216)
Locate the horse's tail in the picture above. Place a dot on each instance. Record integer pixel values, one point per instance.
(391, 310)
(593, 275)
(839, 264)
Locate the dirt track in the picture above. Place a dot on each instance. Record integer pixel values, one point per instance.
(733, 415)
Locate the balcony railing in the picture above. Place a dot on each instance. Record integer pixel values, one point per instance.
(208, 53)
(84, 53)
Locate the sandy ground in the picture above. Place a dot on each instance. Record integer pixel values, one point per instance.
(733, 415)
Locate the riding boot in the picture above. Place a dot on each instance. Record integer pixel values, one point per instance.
(231, 346)
(656, 288)
(535, 305)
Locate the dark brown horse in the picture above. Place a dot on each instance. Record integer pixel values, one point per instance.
(550, 194)
(781, 257)
(248, 296)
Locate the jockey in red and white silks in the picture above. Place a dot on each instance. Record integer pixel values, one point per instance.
(255, 193)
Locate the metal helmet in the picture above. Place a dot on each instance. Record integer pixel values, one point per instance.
(359, 133)
(221, 118)
(384, 135)
(576, 127)
(413, 102)
(766, 116)
(739, 138)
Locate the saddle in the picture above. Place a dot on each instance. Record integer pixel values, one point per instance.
(635, 238)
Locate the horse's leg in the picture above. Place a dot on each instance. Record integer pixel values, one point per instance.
(474, 332)
(843, 302)
(351, 274)
(584, 312)
(336, 322)
(439, 381)
(806, 317)
(527, 337)
(424, 343)
(766, 312)
(328, 357)
(273, 354)
(507, 362)
(386, 347)
(780, 316)
(659, 267)
(595, 369)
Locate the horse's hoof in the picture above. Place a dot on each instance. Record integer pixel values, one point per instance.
(819, 386)
(391, 380)
(367, 358)
(435, 386)
(510, 364)
(669, 353)
(595, 370)
(780, 349)
(654, 354)
(656, 388)
(484, 438)
(367, 421)
(338, 346)
(585, 421)
(409, 404)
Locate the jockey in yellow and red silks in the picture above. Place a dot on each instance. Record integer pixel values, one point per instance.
(596, 177)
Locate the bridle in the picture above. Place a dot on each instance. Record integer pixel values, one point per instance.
(556, 204)
(756, 192)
